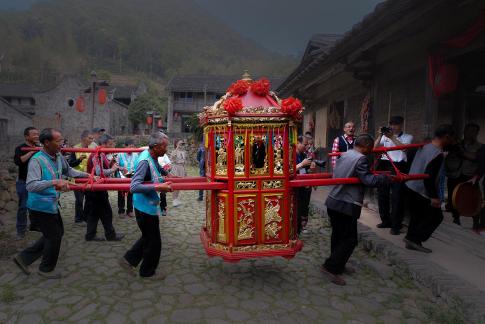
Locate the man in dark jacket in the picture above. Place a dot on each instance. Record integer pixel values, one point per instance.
(424, 200)
(344, 204)
(201, 161)
(21, 159)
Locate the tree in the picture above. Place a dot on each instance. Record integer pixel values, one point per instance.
(195, 127)
(145, 103)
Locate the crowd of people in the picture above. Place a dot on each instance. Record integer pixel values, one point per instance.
(447, 160)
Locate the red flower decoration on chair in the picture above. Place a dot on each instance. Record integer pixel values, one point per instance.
(233, 105)
(291, 106)
(239, 88)
(261, 87)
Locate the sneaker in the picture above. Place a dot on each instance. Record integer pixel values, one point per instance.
(410, 245)
(127, 266)
(336, 279)
(305, 231)
(383, 225)
(164, 212)
(176, 203)
(349, 270)
(50, 275)
(158, 276)
(96, 239)
(118, 237)
(200, 199)
(20, 263)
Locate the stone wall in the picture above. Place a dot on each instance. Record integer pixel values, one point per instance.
(12, 124)
(8, 194)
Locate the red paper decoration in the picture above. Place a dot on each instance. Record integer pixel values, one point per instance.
(233, 105)
(291, 106)
(446, 79)
(149, 120)
(239, 88)
(80, 104)
(102, 97)
(159, 123)
(261, 87)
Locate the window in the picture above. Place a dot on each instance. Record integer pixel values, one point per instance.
(186, 96)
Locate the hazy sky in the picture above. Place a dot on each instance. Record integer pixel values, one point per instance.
(283, 26)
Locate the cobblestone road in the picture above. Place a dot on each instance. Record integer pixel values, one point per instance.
(200, 289)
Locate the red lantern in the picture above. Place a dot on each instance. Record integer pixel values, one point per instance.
(149, 120)
(159, 123)
(102, 98)
(80, 104)
(446, 79)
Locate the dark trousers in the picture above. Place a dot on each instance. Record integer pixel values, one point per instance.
(22, 194)
(303, 195)
(49, 244)
(390, 198)
(79, 206)
(97, 207)
(148, 248)
(343, 240)
(121, 202)
(452, 184)
(163, 201)
(424, 218)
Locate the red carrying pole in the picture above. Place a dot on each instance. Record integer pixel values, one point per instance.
(383, 149)
(323, 175)
(340, 181)
(126, 186)
(128, 180)
(90, 150)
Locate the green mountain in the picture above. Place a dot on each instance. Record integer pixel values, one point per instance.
(143, 38)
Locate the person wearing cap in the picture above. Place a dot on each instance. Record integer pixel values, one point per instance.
(390, 197)
(344, 142)
(96, 132)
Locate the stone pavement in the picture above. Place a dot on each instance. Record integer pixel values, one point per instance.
(199, 289)
(454, 271)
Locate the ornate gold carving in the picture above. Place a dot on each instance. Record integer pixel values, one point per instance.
(208, 212)
(278, 154)
(246, 220)
(221, 213)
(272, 184)
(245, 185)
(292, 206)
(272, 217)
(219, 246)
(239, 167)
(221, 159)
(261, 247)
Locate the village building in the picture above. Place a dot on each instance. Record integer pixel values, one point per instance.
(60, 107)
(422, 60)
(189, 94)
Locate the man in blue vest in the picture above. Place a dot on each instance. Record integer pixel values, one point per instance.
(147, 208)
(127, 165)
(44, 184)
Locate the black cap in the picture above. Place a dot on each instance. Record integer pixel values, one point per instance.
(98, 129)
(396, 120)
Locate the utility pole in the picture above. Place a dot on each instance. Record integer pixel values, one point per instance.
(93, 92)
